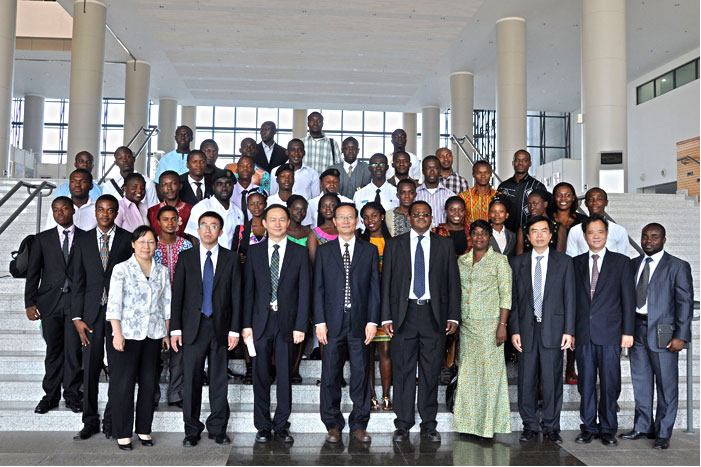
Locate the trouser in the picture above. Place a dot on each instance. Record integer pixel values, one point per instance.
(63, 361)
(175, 377)
(204, 346)
(648, 368)
(332, 361)
(604, 360)
(139, 360)
(549, 362)
(420, 340)
(93, 355)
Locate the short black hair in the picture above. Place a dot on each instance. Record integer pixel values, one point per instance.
(453, 199)
(379, 154)
(542, 194)
(269, 123)
(430, 157)
(319, 217)
(401, 152)
(592, 219)
(655, 225)
(406, 181)
(535, 220)
(62, 199)
(169, 173)
(245, 156)
(134, 176)
(522, 151)
(142, 230)
(211, 214)
(209, 141)
(500, 200)
(189, 130)
(294, 198)
(110, 198)
(345, 205)
(481, 224)
(575, 200)
(596, 188)
(196, 152)
(275, 206)
(295, 140)
(315, 113)
(87, 173)
(350, 139)
(165, 209)
(422, 203)
(365, 234)
(481, 162)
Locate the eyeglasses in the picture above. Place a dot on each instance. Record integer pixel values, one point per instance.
(145, 242)
(378, 164)
(346, 218)
(416, 215)
(212, 227)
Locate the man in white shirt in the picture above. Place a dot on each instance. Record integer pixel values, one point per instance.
(596, 201)
(124, 160)
(379, 189)
(285, 177)
(329, 182)
(399, 142)
(305, 178)
(79, 185)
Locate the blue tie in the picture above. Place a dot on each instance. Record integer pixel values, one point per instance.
(419, 268)
(207, 285)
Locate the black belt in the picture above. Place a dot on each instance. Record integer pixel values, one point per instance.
(65, 289)
(641, 317)
(420, 302)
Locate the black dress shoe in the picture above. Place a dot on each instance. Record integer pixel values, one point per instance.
(146, 442)
(585, 437)
(75, 406)
(431, 435)
(107, 431)
(527, 435)
(125, 447)
(221, 438)
(190, 441)
(400, 435)
(607, 439)
(553, 437)
(45, 405)
(633, 435)
(178, 404)
(263, 436)
(661, 443)
(87, 432)
(284, 436)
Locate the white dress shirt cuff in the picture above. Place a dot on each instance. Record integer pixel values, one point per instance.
(453, 321)
(176, 332)
(387, 322)
(374, 324)
(320, 324)
(77, 319)
(233, 334)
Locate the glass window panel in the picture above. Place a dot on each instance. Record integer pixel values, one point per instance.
(240, 136)
(442, 124)
(52, 111)
(285, 119)
(201, 135)
(332, 120)
(224, 116)
(664, 83)
(50, 158)
(685, 74)
(283, 137)
(265, 115)
(109, 158)
(646, 92)
(153, 115)
(419, 147)
(393, 120)
(372, 145)
(555, 132)
(115, 113)
(389, 147)
(225, 141)
(204, 115)
(353, 120)
(115, 138)
(374, 121)
(51, 139)
(245, 117)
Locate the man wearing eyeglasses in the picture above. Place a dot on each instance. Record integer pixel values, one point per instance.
(379, 189)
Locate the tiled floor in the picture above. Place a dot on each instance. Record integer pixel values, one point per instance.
(58, 448)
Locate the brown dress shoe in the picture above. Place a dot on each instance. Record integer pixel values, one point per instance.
(361, 435)
(333, 436)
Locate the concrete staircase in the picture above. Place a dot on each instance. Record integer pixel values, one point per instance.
(22, 349)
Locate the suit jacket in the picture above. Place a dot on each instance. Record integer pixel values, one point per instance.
(329, 287)
(294, 286)
(186, 300)
(443, 280)
(510, 243)
(359, 178)
(611, 312)
(47, 270)
(670, 298)
(187, 194)
(559, 302)
(89, 279)
(279, 157)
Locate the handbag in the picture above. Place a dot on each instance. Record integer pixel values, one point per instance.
(665, 333)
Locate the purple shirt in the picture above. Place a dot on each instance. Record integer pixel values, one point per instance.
(130, 215)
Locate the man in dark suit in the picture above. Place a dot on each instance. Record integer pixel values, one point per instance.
(418, 311)
(543, 310)
(95, 254)
(346, 312)
(205, 322)
(46, 298)
(269, 154)
(275, 316)
(355, 174)
(605, 308)
(664, 295)
(194, 184)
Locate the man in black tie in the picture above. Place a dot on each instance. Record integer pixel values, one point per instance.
(46, 298)
(418, 311)
(604, 325)
(205, 323)
(346, 312)
(275, 317)
(269, 154)
(193, 184)
(542, 318)
(664, 296)
(96, 253)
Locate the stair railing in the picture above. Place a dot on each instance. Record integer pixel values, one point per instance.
(149, 132)
(36, 193)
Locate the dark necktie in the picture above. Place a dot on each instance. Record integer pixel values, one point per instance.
(419, 269)
(537, 292)
(207, 285)
(377, 196)
(346, 267)
(275, 272)
(64, 247)
(244, 209)
(641, 288)
(198, 193)
(104, 257)
(594, 275)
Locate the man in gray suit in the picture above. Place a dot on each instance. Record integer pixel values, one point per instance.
(664, 295)
(354, 173)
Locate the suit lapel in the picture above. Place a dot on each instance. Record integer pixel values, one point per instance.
(284, 266)
(550, 274)
(659, 270)
(527, 279)
(222, 260)
(357, 251)
(119, 238)
(584, 271)
(406, 252)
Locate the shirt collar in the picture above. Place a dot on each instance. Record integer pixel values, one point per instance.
(656, 257)
(282, 243)
(203, 250)
(346, 165)
(351, 242)
(414, 234)
(545, 254)
(110, 232)
(601, 254)
(192, 180)
(70, 229)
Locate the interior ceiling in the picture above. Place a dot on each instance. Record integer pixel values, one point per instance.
(353, 54)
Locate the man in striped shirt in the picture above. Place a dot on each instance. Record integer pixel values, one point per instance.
(432, 191)
(322, 151)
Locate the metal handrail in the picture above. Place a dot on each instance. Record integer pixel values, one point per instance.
(37, 193)
(149, 132)
(690, 380)
(458, 142)
(687, 158)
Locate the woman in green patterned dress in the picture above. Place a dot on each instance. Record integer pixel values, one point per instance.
(482, 395)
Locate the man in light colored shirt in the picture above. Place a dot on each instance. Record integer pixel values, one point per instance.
(79, 182)
(83, 160)
(432, 191)
(450, 178)
(124, 160)
(305, 178)
(329, 182)
(596, 201)
(132, 212)
(176, 159)
(399, 139)
(285, 177)
(378, 189)
(354, 173)
(322, 151)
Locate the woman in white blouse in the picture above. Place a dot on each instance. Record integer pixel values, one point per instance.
(139, 312)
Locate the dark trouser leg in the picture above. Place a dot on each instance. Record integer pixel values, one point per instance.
(124, 368)
(52, 330)
(587, 364)
(193, 371)
(528, 388)
(609, 358)
(551, 374)
(262, 380)
(175, 378)
(431, 344)
(72, 359)
(332, 359)
(642, 377)
(359, 383)
(93, 355)
(159, 372)
(284, 360)
(218, 386)
(148, 381)
(405, 348)
(109, 350)
(666, 369)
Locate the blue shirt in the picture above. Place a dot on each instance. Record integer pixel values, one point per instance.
(172, 161)
(95, 191)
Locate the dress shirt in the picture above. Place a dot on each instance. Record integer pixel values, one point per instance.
(70, 235)
(275, 199)
(436, 198)
(313, 208)
(426, 246)
(455, 182)
(232, 217)
(172, 161)
(543, 268)
(281, 251)
(319, 155)
(236, 195)
(63, 190)
(347, 166)
(500, 238)
(131, 215)
(193, 184)
(268, 150)
(414, 170)
(150, 199)
(84, 217)
(617, 240)
(306, 182)
(140, 303)
(599, 261)
(653, 265)
(388, 196)
(111, 232)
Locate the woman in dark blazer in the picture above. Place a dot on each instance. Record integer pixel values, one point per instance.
(498, 213)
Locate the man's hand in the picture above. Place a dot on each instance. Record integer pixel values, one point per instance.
(165, 343)
(245, 332)
(626, 341)
(567, 342)
(675, 345)
(516, 342)
(451, 328)
(501, 334)
(389, 329)
(370, 331)
(118, 342)
(321, 332)
(32, 313)
(83, 331)
(233, 341)
(297, 337)
(175, 342)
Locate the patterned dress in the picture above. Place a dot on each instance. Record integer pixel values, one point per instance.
(477, 206)
(167, 255)
(482, 395)
(322, 237)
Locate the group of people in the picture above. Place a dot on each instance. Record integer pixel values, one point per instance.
(309, 247)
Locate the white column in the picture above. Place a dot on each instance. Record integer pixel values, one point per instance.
(430, 134)
(462, 104)
(87, 60)
(603, 86)
(8, 25)
(188, 117)
(167, 116)
(511, 92)
(299, 123)
(138, 79)
(409, 126)
(33, 125)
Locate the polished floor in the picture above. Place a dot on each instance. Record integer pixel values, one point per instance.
(58, 448)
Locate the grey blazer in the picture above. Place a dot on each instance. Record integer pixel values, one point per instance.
(349, 185)
(510, 243)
